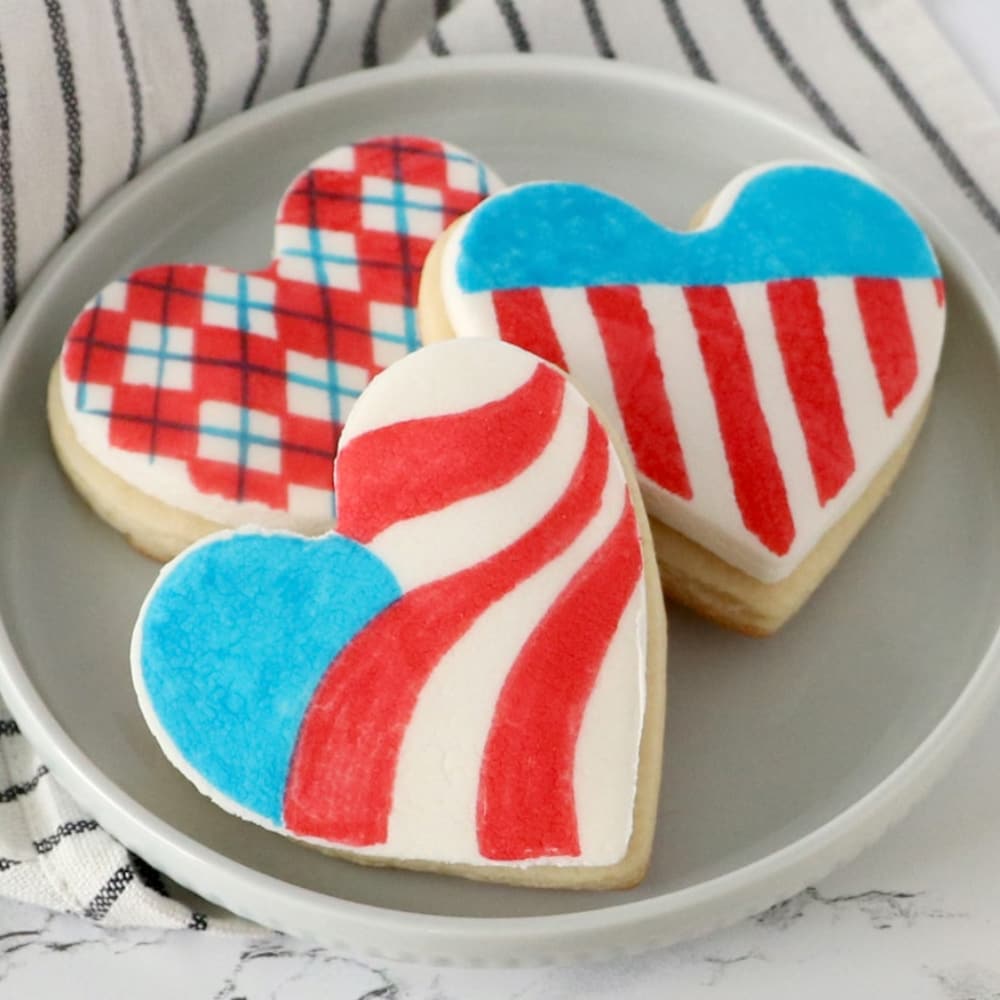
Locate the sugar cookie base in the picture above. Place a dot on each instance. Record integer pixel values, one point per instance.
(690, 573)
(151, 526)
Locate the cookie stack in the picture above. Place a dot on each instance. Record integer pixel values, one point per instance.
(414, 613)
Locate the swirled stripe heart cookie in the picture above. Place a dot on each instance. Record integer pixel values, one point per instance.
(770, 368)
(469, 676)
(189, 397)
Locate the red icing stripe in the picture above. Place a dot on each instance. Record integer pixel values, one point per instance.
(460, 455)
(798, 323)
(639, 388)
(523, 319)
(526, 806)
(757, 480)
(341, 779)
(890, 339)
(939, 291)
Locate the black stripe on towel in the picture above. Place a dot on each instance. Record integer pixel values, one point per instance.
(13, 792)
(8, 243)
(690, 48)
(262, 32)
(948, 157)
(435, 40)
(598, 32)
(199, 64)
(796, 75)
(322, 23)
(109, 893)
(512, 18)
(369, 44)
(71, 110)
(134, 92)
(63, 831)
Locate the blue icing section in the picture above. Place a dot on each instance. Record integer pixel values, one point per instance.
(236, 639)
(789, 222)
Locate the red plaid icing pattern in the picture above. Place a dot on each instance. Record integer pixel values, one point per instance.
(225, 393)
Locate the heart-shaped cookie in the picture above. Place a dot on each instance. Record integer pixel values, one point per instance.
(189, 396)
(770, 369)
(469, 676)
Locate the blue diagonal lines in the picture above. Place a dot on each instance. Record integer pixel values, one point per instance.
(334, 387)
(243, 324)
(243, 436)
(482, 180)
(319, 257)
(399, 200)
(403, 228)
(250, 304)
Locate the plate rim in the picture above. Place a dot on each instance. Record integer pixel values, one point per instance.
(443, 939)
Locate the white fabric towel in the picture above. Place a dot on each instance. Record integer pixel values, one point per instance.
(92, 91)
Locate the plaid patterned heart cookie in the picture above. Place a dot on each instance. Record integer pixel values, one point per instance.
(770, 369)
(223, 394)
(468, 676)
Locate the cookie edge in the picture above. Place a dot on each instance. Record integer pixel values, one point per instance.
(150, 526)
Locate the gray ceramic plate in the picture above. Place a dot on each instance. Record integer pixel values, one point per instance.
(783, 757)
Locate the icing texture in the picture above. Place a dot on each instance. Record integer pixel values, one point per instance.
(224, 393)
(459, 674)
(763, 367)
(782, 226)
(229, 675)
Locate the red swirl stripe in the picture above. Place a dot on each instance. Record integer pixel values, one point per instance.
(753, 465)
(340, 783)
(805, 352)
(423, 465)
(526, 806)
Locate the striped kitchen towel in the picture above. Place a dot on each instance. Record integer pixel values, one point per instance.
(93, 91)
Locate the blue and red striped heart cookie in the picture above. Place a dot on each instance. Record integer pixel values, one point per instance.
(224, 393)
(764, 367)
(470, 673)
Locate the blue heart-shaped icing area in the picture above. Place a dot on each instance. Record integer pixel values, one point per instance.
(557, 235)
(209, 667)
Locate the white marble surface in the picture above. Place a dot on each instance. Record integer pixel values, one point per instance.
(916, 916)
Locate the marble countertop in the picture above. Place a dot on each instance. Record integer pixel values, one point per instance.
(916, 916)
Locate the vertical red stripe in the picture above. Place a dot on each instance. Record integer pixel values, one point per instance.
(939, 291)
(798, 324)
(342, 773)
(460, 455)
(526, 806)
(523, 320)
(639, 386)
(890, 339)
(753, 465)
